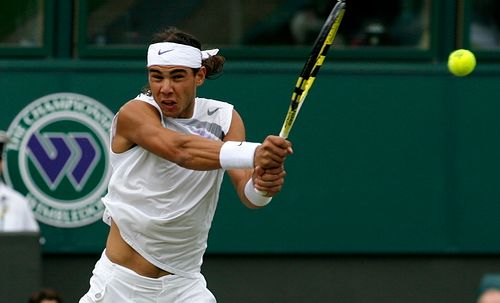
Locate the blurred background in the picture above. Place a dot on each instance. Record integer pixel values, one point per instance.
(393, 192)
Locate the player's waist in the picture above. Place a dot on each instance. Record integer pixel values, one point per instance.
(129, 275)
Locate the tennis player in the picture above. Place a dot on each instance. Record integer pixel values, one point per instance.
(169, 151)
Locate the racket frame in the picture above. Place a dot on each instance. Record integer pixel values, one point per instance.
(310, 70)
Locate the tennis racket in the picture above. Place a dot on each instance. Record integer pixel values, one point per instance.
(310, 70)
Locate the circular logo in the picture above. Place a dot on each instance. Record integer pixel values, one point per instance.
(57, 156)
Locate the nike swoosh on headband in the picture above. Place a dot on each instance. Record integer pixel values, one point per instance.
(160, 52)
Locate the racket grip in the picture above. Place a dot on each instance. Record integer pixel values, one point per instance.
(261, 192)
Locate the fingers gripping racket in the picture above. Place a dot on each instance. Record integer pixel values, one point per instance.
(310, 70)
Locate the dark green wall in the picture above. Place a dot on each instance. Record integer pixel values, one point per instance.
(389, 158)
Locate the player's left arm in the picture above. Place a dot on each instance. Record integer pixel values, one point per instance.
(269, 180)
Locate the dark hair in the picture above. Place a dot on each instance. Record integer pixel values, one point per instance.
(45, 294)
(213, 64)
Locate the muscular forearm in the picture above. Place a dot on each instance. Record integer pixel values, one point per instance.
(195, 152)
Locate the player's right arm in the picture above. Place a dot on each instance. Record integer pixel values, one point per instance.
(139, 124)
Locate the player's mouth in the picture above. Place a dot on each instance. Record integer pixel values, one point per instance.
(168, 105)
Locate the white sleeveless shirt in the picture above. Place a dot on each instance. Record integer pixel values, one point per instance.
(165, 211)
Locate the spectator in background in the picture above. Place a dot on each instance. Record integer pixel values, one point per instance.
(485, 25)
(490, 296)
(307, 22)
(15, 212)
(388, 23)
(489, 289)
(46, 295)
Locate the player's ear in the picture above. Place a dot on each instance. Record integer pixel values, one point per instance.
(200, 76)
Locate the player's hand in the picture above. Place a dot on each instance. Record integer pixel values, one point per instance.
(269, 181)
(273, 152)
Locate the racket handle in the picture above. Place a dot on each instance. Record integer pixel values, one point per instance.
(261, 192)
(283, 134)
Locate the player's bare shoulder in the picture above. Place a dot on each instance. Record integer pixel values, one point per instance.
(139, 111)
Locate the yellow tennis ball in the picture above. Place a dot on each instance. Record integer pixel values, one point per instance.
(461, 62)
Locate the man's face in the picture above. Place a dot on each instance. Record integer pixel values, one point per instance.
(174, 88)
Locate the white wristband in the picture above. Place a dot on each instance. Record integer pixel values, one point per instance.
(254, 197)
(237, 154)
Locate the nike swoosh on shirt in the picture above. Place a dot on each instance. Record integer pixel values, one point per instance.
(160, 52)
(211, 112)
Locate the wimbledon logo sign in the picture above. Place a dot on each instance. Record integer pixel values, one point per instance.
(57, 157)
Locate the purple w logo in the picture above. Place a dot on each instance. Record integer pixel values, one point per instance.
(57, 155)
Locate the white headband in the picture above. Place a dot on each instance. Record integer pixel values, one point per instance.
(169, 53)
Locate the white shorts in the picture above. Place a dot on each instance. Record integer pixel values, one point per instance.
(112, 283)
